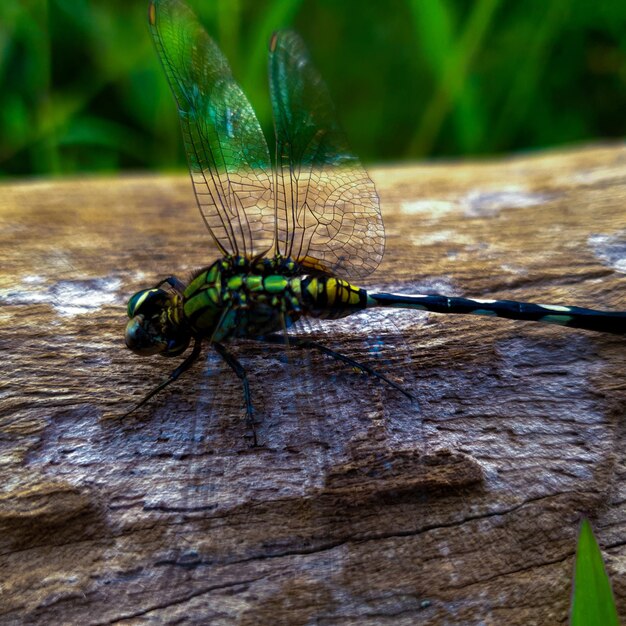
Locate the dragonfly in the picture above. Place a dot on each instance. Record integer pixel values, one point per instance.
(292, 235)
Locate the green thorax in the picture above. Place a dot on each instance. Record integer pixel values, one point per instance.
(237, 297)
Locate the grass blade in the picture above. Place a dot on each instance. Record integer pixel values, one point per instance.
(592, 597)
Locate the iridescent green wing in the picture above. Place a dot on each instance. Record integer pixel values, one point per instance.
(227, 153)
(326, 205)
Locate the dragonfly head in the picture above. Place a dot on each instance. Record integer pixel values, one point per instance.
(154, 324)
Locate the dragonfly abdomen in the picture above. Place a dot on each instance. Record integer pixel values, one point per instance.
(329, 297)
(571, 316)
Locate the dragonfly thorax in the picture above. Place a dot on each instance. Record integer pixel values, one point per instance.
(238, 297)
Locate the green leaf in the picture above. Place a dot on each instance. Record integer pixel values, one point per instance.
(592, 597)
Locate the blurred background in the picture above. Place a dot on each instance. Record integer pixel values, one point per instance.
(81, 89)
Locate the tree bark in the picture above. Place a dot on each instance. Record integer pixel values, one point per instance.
(359, 506)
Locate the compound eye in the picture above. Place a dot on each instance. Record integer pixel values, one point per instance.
(146, 302)
(142, 338)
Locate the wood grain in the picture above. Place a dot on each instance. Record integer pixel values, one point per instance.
(360, 507)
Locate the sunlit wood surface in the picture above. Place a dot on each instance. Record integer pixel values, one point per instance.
(359, 507)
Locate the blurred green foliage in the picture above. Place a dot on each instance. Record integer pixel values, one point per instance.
(82, 89)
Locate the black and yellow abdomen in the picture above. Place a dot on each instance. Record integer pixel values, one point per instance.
(329, 297)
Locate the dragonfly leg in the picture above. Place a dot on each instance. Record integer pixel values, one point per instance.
(237, 367)
(314, 345)
(173, 282)
(183, 367)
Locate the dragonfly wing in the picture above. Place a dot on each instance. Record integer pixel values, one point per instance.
(227, 153)
(327, 208)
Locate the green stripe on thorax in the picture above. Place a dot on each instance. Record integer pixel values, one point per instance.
(275, 284)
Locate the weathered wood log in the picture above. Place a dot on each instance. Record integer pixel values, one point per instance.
(359, 507)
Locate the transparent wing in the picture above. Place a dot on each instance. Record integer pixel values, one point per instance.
(326, 205)
(227, 153)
